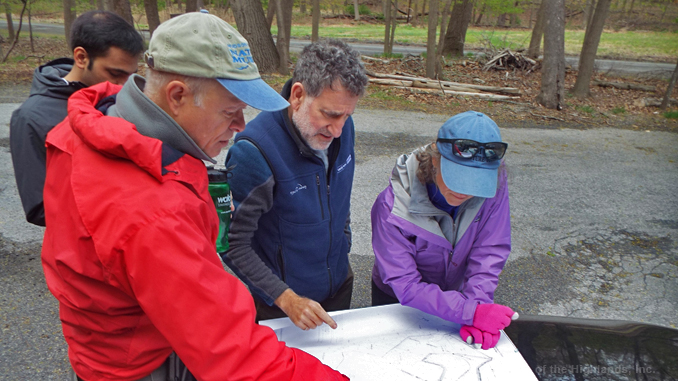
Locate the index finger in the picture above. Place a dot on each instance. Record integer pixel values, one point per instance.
(320, 312)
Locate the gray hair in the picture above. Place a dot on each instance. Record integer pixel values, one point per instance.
(156, 80)
(320, 64)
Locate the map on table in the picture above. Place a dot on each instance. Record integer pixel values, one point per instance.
(400, 343)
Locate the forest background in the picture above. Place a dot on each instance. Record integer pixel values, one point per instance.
(641, 30)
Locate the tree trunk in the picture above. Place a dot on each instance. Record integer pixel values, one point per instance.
(251, 22)
(553, 69)
(284, 20)
(588, 13)
(123, 9)
(394, 23)
(387, 28)
(513, 18)
(100, 5)
(431, 40)
(480, 16)
(10, 23)
(587, 56)
(455, 37)
(69, 17)
(628, 12)
(501, 20)
(18, 32)
(316, 20)
(191, 6)
(356, 10)
(30, 28)
(270, 12)
(152, 16)
(669, 90)
(537, 32)
(441, 38)
(415, 16)
(302, 7)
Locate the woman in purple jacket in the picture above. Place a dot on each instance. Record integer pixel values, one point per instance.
(441, 231)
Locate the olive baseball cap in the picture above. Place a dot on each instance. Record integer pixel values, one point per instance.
(201, 45)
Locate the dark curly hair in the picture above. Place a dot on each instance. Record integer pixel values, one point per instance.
(322, 63)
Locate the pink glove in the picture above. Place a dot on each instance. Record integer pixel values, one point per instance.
(472, 335)
(493, 317)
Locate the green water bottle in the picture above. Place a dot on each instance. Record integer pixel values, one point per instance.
(221, 196)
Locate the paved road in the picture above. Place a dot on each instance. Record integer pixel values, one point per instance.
(594, 220)
(612, 67)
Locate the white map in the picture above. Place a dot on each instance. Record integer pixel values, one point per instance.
(401, 343)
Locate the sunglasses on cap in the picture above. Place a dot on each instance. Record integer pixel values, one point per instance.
(471, 150)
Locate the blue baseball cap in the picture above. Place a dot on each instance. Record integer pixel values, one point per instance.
(470, 177)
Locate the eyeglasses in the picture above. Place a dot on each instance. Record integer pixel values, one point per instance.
(472, 150)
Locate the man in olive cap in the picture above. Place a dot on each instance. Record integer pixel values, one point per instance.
(129, 249)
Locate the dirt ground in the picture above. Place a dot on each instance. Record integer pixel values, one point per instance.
(605, 107)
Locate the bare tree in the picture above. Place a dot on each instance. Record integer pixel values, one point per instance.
(152, 16)
(431, 40)
(10, 23)
(315, 20)
(191, 6)
(587, 57)
(394, 23)
(18, 31)
(302, 7)
(455, 38)
(270, 12)
(69, 17)
(441, 38)
(251, 22)
(284, 19)
(123, 9)
(553, 69)
(537, 32)
(388, 48)
(356, 10)
(669, 90)
(588, 13)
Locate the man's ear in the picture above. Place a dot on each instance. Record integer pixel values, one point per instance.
(177, 96)
(81, 57)
(297, 95)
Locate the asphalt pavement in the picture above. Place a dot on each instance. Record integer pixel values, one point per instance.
(594, 229)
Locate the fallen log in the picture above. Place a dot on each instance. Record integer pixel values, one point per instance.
(417, 90)
(391, 82)
(653, 102)
(374, 59)
(623, 86)
(491, 89)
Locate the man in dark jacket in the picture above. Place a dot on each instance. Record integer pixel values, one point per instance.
(290, 236)
(105, 48)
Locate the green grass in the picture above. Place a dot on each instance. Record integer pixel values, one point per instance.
(671, 114)
(619, 110)
(586, 109)
(626, 44)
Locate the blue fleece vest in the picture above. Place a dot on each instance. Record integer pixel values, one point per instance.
(301, 239)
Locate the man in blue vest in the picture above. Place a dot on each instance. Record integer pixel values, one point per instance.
(292, 177)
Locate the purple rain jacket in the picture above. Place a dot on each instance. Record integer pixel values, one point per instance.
(431, 262)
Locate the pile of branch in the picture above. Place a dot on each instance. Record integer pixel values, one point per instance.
(506, 59)
(427, 85)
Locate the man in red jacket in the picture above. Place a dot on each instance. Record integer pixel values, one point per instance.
(129, 249)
